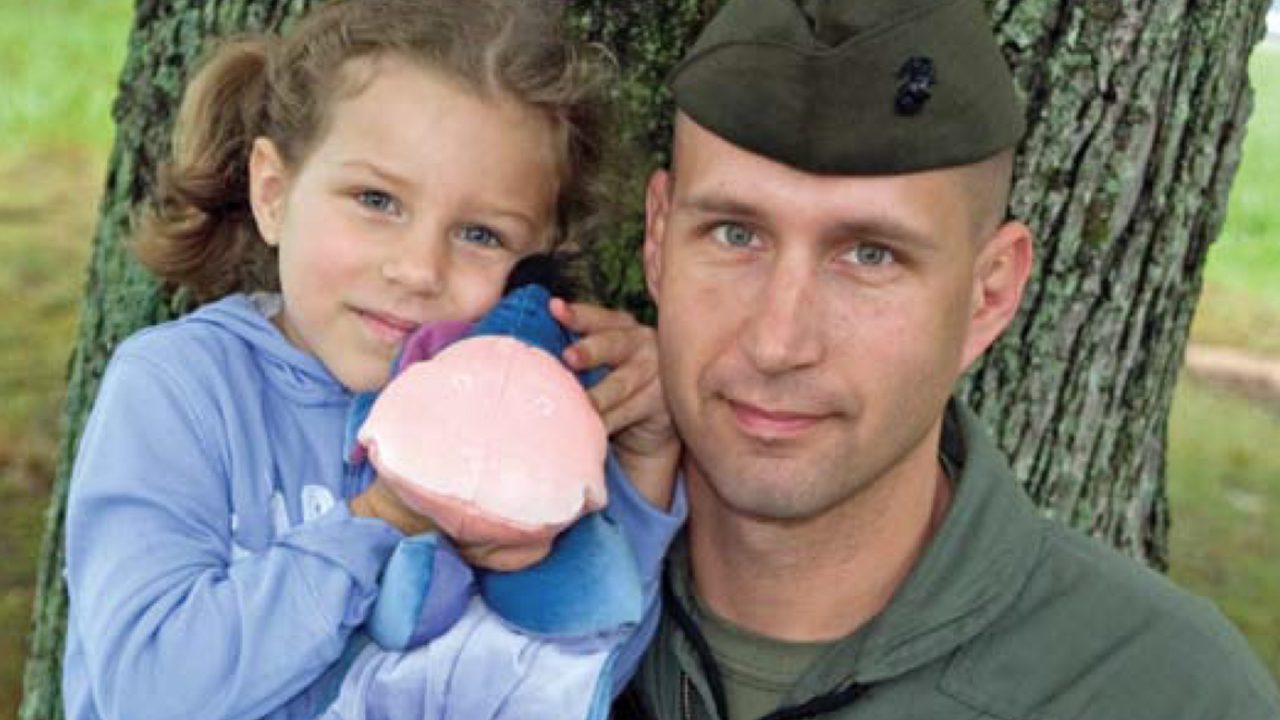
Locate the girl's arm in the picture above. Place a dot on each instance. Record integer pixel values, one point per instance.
(644, 496)
(629, 398)
(166, 624)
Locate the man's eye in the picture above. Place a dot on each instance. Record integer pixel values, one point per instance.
(733, 235)
(378, 201)
(479, 235)
(870, 255)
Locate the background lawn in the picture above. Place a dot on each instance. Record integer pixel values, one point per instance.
(1224, 471)
(60, 59)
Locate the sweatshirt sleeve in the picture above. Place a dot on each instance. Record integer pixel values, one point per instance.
(480, 668)
(169, 626)
(649, 531)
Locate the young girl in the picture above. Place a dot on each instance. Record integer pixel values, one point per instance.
(383, 166)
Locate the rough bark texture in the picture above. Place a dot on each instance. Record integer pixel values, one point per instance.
(1136, 111)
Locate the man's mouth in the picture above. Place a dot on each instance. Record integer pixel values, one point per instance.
(772, 423)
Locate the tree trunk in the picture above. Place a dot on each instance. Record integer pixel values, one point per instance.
(1136, 114)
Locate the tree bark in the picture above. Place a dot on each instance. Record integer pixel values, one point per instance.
(1136, 112)
(1137, 115)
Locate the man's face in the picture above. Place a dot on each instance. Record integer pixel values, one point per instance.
(811, 327)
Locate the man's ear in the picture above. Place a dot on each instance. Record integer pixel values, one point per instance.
(657, 205)
(268, 187)
(1000, 275)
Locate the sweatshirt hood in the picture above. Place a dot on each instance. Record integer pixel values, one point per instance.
(298, 375)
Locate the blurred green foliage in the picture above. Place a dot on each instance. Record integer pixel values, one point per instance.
(60, 60)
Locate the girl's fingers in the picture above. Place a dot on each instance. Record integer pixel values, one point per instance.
(587, 318)
(630, 410)
(615, 348)
(618, 388)
(504, 558)
(631, 394)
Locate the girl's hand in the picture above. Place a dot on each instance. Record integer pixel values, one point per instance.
(629, 399)
(505, 558)
(380, 501)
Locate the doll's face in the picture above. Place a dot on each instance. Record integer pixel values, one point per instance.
(494, 439)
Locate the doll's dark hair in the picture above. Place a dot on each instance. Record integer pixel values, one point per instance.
(198, 232)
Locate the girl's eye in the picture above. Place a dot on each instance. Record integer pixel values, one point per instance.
(733, 235)
(479, 235)
(870, 255)
(378, 201)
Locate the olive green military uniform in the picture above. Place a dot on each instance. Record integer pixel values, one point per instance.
(1007, 616)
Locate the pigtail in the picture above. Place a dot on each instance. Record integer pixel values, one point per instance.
(199, 232)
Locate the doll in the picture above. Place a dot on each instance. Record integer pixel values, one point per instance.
(486, 431)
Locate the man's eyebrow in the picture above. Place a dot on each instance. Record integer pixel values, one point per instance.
(711, 204)
(886, 228)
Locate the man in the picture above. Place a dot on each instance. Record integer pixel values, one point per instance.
(828, 253)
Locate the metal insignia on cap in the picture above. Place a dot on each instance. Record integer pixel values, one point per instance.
(917, 78)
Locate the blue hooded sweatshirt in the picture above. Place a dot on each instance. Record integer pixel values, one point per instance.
(213, 566)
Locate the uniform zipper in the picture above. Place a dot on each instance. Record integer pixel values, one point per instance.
(686, 690)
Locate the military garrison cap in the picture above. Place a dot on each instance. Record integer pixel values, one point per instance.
(853, 87)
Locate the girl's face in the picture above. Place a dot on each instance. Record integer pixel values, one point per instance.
(412, 208)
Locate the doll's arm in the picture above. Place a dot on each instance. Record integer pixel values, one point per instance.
(424, 590)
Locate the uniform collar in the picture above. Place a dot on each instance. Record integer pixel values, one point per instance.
(972, 570)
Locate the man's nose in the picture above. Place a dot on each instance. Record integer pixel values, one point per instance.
(419, 262)
(782, 333)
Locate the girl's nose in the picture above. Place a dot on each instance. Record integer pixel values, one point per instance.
(419, 264)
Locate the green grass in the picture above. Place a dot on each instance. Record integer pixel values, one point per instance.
(1224, 490)
(61, 59)
(47, 210)
(1241, 303)
(21, 520)
(1224, 473)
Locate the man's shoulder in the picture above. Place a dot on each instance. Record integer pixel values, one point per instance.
(1096, 634)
